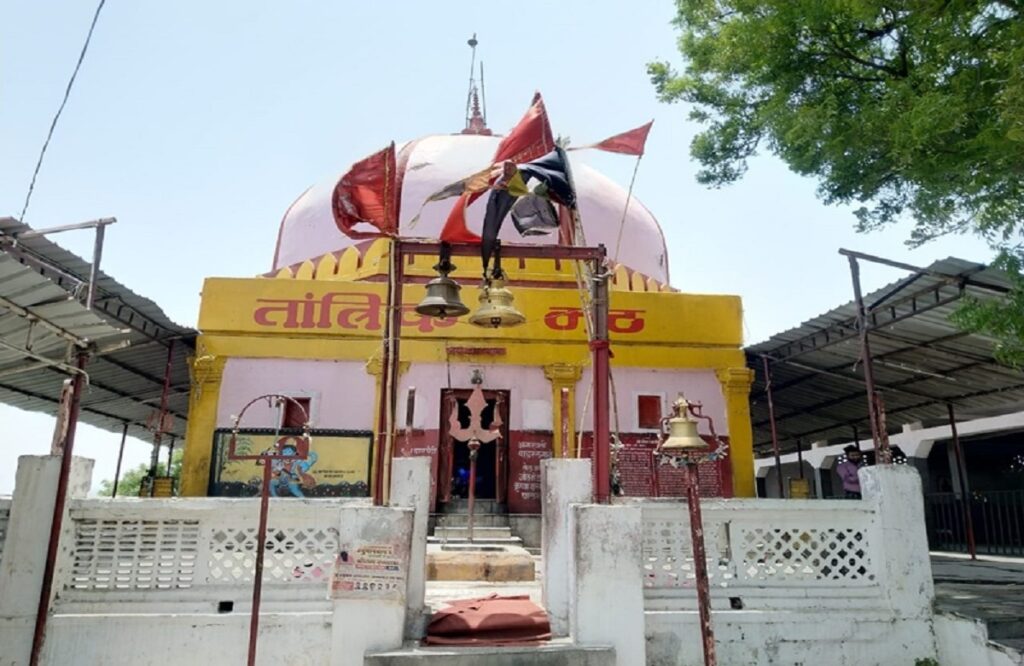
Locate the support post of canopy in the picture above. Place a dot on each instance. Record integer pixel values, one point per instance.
(56, 523)
(883, 454)
(771, 419)
(965, 491)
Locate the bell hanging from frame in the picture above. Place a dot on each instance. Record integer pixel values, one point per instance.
(682, 433)
(496, 309)
(442, 299)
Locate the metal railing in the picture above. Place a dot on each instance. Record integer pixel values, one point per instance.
(997, 515)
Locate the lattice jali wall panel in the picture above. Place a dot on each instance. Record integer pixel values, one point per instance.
(292, 555)
(125, 554)
(5, 512)
(802, 554)
(668, 558)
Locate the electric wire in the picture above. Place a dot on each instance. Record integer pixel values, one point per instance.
(60, 109)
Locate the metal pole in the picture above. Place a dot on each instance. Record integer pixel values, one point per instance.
(158, 435)
(382, 396)
(97, 255)
(700, 564)
(474, 448)
(56, 523)
(170, 457)
(965, 498)
(601, 354)
(800, 457)
(771, 419)
(261, 540)
(120, 455)
(395, 358)
(884, 455)
(564, 409)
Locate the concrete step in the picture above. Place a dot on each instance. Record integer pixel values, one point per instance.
(462, 519)
(478, 540)
(479, 506)
(551, 654)
(479, 531)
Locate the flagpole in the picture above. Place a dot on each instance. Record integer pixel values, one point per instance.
(625, 210)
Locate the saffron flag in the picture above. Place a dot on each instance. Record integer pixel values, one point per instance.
(368, 194)
(528, 140)
(627, 143)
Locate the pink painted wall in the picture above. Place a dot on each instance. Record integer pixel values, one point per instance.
(527, 385)
(697, 385)
(341, 392)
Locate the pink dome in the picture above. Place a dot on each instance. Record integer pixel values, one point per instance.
(308, 229)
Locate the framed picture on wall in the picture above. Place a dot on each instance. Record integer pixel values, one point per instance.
(338, 464)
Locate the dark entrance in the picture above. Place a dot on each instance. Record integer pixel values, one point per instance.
(492, 459)
(486, 477)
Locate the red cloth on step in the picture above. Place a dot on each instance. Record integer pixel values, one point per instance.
(493, 620)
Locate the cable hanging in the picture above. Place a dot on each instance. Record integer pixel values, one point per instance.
(60, 109)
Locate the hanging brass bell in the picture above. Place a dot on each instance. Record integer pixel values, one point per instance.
(682, 431)
(442, 299)
(496, 309)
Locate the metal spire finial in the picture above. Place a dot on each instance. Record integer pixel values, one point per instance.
(476, 122)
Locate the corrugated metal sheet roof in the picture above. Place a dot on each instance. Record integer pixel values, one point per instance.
(921, 362)
(131, 334)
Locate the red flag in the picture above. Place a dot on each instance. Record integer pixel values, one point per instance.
(455, 229)
(627, 143)
(528, 140)
(368, 194)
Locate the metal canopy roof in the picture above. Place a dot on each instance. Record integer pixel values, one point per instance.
(43, 318)
(922, 361)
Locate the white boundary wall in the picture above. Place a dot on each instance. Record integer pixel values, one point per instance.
(798, 581)
(154, 582)
(793, 581)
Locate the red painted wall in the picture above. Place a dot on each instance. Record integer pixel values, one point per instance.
(639, 478)
(526, 450)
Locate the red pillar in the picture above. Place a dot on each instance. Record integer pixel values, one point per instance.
(601, 358)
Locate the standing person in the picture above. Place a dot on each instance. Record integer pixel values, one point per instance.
(847, 471)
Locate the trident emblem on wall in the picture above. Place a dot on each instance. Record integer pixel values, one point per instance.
(474, 436)
(475, 432)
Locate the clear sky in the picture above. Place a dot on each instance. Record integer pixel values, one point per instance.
(196, 124)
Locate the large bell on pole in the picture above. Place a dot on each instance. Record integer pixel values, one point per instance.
(496, 309)
(442, 299)
(682, 433)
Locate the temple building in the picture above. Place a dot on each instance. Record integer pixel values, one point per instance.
(312, 328)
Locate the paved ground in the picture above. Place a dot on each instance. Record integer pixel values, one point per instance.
(990, 589)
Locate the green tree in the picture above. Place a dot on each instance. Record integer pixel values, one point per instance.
(131, 480)
(910, 109)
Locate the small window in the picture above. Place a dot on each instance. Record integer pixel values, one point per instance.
(293, 416)
(648, 410)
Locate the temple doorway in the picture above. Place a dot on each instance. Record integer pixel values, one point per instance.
(454, 458)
